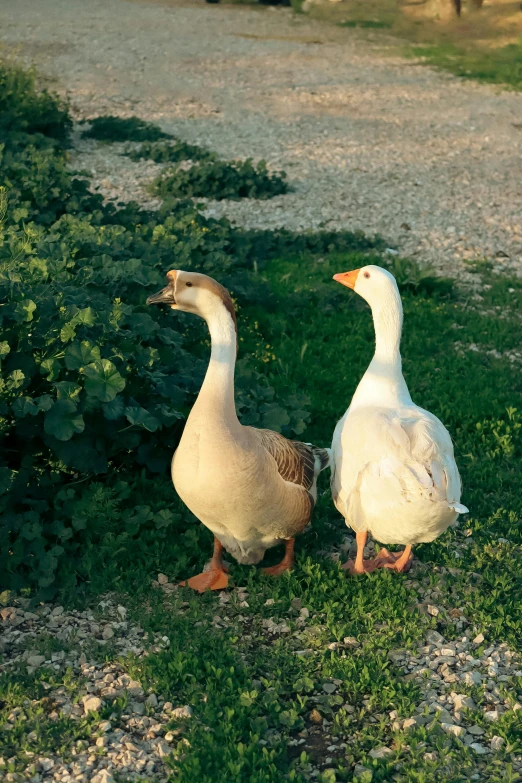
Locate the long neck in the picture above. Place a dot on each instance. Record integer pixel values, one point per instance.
(216, 397)
(383, 383)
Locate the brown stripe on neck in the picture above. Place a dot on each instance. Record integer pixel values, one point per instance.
(221, 291)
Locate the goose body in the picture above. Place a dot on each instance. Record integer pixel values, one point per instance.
(252, 488)
(394, 473)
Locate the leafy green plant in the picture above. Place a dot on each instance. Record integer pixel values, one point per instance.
(24, 108)
(110, 128)
(173, 152)
(221, 180)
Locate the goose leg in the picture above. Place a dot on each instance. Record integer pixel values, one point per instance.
(400, 561)
(287, 561)
(362, 566)
(215, 578)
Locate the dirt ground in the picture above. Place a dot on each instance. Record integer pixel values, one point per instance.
(368, 140)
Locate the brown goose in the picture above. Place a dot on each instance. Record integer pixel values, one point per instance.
(252, 488)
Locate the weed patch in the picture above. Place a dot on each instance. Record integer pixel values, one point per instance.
(221, 180)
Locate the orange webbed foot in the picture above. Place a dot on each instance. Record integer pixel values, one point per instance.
(286, 563)
(383, 559)
(277, 570)
(400, 561)
(214, 579)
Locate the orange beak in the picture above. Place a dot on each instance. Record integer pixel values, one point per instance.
(347, 278)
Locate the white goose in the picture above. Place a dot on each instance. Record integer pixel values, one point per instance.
(393, 470)
(252, 488)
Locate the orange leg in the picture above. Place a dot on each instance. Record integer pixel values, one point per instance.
(287, 561)
(400, 561)
(215, 578)
(361, 566)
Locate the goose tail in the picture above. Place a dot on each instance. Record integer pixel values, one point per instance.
(459, 508)
(323, 457)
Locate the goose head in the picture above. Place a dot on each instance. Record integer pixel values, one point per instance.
(373, 283)
(195, 293)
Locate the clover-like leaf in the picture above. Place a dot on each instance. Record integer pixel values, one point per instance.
(142, 418)
(103, 380)
(24, 310)
(24, 406)
(114, 409)
(63, 420)
(4, 349)
(274, 416)
(79, 355)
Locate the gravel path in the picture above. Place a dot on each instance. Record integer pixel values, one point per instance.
(369, 140)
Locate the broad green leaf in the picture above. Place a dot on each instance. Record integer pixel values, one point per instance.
(103, 380)
(25, 406)
(79, 355)
(24, 310)
(50, 368)
(68, 332)
(114, 409)
(15, 379)
(67, 390)
(63, 420)
(87, 317)
(45, 402)
(274, 416)
(142, 418)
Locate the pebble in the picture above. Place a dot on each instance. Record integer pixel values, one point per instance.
(497, 742)
(315, 716)
(182, 713)
(380, 753)
(91, 704)
(478, 748)
(451, 728)
(36, 660)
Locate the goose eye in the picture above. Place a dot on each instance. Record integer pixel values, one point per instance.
(189, 285)
(367, 274)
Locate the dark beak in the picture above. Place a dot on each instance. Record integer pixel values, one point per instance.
(166, 296)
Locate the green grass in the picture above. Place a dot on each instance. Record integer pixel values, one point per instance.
(502, 65)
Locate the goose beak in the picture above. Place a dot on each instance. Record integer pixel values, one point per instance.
(165, 296)
(347, 278)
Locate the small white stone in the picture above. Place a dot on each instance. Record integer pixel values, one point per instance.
(478, 748)
(45, 763)
(162, 749)
(57, 611)
(36, 660)
(137, 707)
(162, 579)
(380, 753)
(351, 641)
(181, 713)
(451, 728)
(461, 701)
(492, 715)
(103, 776)
(433, 610)
(478, 639)
(108, 632)
(91, 704)
(105, 726)
(269, 602)
(151, 700)
(471, 678)
(497, 742)
(434, 637)
(409, 723)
